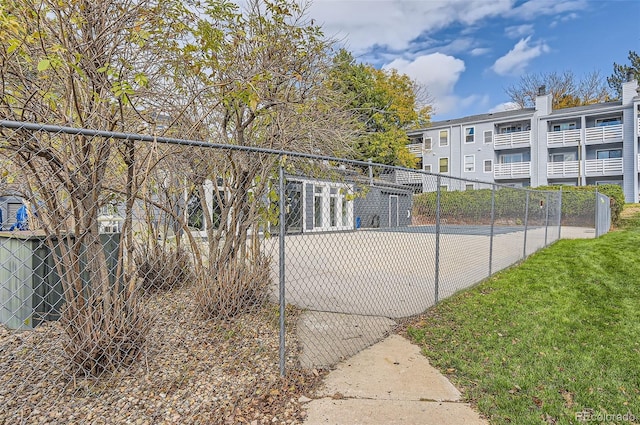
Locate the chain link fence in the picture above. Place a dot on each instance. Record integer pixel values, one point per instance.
(157, 280)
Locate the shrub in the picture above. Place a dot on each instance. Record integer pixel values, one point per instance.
(471, 206)
(579, 200)
(474, 206)
(105, 335)
(160, 268)
(233, 289)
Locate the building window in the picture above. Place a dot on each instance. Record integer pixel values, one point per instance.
(444, 188)
(511, 128)
(618, 182)
(415, 139)
(469, 186)
(345, 211)
(444, 165)
(427, 143)
(427, 168)
(510, 158)
(317, 207)
(488, 136)
(333, 207)
(195, 215)
(609, 154)
(469, 135)
(469, 163)
(563, 126)
(562, 157)
(419, 163)
(488, 165)
(603, 122)
(444, 137)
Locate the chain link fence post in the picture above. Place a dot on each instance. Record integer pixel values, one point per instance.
(597, 214)
(526, 225)
(437, 259)
(493, 219)
(546, 219)
(281, 271)
(560, 214)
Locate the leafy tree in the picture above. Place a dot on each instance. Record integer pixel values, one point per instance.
(386, 105)
(620, 73)
(565, 89)
(258, 78)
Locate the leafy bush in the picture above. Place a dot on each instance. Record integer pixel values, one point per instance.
(579, 200)
(474, 206)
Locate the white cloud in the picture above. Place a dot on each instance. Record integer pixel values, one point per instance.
(564, 18)
(438, 72)
(534, 8)
(479, 51)
(518, 58)
(394, 24)
(506, 106)
(519, 31)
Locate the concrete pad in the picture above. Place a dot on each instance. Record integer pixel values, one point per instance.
(393, 369)
(389, 383)
(385, 412)
(328, 338)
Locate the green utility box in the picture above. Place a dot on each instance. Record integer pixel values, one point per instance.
(30, 288)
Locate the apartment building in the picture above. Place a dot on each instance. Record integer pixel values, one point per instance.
(594, 144)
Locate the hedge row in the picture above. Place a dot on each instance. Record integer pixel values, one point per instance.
(586, 194)
(474, 206)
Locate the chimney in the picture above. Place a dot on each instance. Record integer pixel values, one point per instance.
(630, 89)
(543, 101)
(630, 75)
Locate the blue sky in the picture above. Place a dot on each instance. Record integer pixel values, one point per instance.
(466, 52)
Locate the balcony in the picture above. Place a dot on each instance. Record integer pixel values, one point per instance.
(402, 177)
(559, 139)
(407, 177)
(514, 170)
(520, 139)
(416, 149)
(563, 169)
(603, 167)
(638, 162)
(605, 134)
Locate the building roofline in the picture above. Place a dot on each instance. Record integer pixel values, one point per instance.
(520, 113)
(491, 116)
(583, 108)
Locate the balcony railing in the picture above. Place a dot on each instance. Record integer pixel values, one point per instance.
(415, 148)
(558, 139)
(638, 162)
(563, 169)
(605, 134)
(603, 167)
(512, 140)
(513, 170)
(407, 177)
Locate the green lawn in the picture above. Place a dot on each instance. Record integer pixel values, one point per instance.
(556, 335)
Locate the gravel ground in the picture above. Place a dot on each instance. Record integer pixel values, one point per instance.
(193, 372)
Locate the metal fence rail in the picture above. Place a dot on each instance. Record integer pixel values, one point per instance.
(176, 280)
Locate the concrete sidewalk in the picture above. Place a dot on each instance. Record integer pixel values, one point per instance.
(389, 383)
